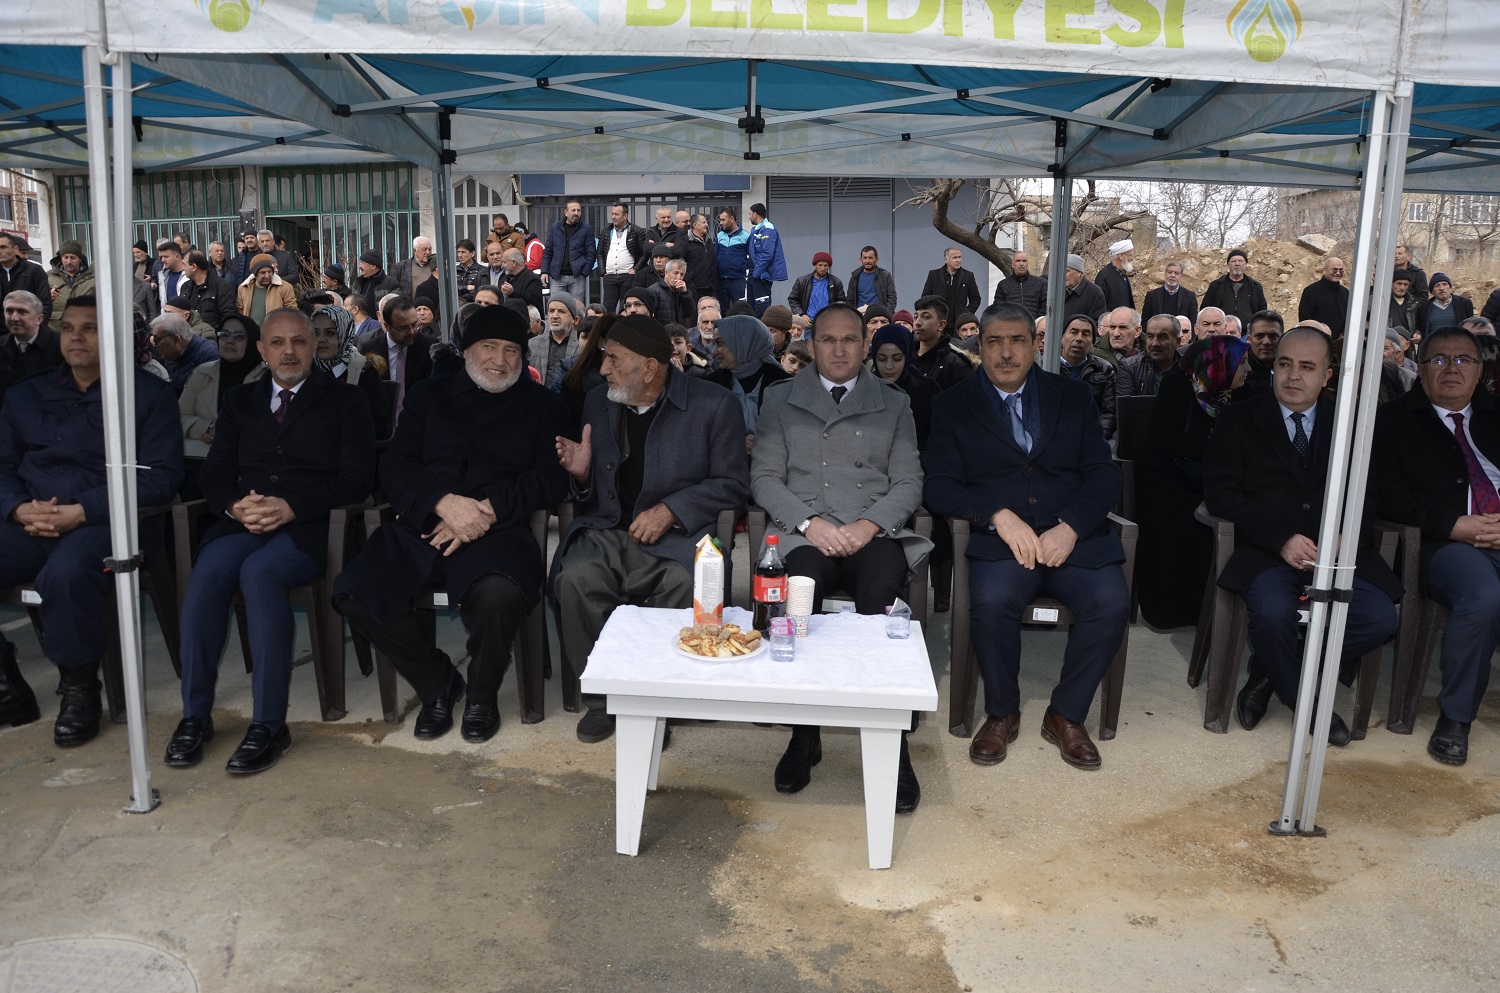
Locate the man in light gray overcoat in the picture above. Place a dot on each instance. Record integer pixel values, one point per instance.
(835, 466)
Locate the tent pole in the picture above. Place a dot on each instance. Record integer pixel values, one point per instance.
(1374, 347)
(1057, 268)
(442, 207)
(116, 382)
(1353, 426)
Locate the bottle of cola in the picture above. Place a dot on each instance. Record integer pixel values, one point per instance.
(768, 587)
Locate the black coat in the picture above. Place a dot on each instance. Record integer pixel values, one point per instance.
(375, 286)
(1463, 309)
(1029, 291)
(1254, 478)
(1115, 286)
(1420, 476)
(456, 438)
(1324, 301)
(44, 352)
(214, 300)
(669, 307)
(1221, 294)
(320, 457)
(800, 295)
(418, 354)
(702, 266)
(1180, 304)
(1085, 298)
(958, 289)
(525, 286)
(27, 275)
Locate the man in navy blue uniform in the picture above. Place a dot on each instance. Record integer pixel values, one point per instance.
(1019, 453)
(55, 504)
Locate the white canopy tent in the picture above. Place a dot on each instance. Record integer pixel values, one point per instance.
(1264, 92)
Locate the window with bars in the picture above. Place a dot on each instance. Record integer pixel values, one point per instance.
(204, 203)
(1419, 212)
(357, 208)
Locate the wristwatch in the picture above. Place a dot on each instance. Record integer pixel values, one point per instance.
(802, 528)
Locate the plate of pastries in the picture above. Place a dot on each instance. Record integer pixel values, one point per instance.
(722, 642)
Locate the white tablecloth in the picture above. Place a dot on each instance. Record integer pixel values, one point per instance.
(845, 659)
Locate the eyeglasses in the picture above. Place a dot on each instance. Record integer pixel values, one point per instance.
(1461, 361)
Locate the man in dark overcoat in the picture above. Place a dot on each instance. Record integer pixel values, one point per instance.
(473, 457)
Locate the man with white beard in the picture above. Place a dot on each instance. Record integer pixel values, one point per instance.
(660, 455)
(472, 457)
(1114, 279)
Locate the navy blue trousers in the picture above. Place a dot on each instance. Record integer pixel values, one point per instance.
(1000, 591)
(263, 569)
(1276, 636)
(68, 573)
(1466, 580)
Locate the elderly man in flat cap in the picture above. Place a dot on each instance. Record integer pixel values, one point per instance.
(660, 455)
(472, 457)
(1113, 280)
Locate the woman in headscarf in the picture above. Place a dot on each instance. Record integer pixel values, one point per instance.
(238, 362)
(747, 365)
(337, 354)
(1175, 552)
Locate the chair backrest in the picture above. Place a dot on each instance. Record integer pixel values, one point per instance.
(1132, 422)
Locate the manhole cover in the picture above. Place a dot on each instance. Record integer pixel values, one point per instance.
(92, 965)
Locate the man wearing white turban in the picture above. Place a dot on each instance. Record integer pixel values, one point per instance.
(1114, 279)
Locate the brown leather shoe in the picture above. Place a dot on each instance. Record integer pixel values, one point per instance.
(988, 746)
(1071, 739)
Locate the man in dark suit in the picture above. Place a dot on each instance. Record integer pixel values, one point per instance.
(1326, 299)
(30, 346)
(17, 272)
(1444, 309)
(1113, 278)
(513, 280)
(1265, 471)
(954, 284)
(474, 456)
(54, 507)
(287, 450)
(1019, 453)
(1436, 453)
(407, 352)
(660, 455)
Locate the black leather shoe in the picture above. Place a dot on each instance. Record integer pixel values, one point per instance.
(186, 746)
(794, 771)
(78, 718)
(1250, 706)
(595, 726)
(1449, 743)
(17, 701)
(908, 790)
(1338, 731)
(260, 749)
(435, 719)
(481, 721)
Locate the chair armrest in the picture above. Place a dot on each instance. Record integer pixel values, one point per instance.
(959, 528)
(381, 513)
(921, 523)
(339, 519)
(155, 510)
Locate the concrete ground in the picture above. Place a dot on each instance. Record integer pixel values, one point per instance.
(369, 861)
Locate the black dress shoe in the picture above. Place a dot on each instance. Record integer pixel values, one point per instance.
(78, 717)
(1250, 706)
(595, 726)
(908, 790)
(186, 746)
(1338, 731)
(481, 721)
(1449, 743)
(260, 749)
(794, 771)
(435, 719)
(17, 701)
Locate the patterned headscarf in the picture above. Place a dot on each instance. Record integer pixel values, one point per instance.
(1210, 365)
(343, 322)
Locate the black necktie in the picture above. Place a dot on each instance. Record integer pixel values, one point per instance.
(1299, 439)
(286, 401)
(837, 393)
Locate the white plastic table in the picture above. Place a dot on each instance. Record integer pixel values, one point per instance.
(847, 673)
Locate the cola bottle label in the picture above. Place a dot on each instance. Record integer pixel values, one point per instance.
(770, 589)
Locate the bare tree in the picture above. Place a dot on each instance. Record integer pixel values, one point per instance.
(1002, 203)
(1209, 215)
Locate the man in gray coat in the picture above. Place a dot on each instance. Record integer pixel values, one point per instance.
(660, 455)
(835, 466)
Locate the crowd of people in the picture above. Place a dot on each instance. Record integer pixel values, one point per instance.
(686, 392)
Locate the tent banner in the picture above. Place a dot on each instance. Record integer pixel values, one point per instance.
(1278, 41)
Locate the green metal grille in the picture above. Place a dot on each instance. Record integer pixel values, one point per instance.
(356, 208)
(202, 202)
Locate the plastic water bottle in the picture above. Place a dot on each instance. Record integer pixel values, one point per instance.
(783, 639)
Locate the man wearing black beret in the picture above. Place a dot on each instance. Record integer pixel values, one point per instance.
(472, 457)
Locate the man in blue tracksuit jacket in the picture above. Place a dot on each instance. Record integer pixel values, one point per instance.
(732, 252)
(767, 261)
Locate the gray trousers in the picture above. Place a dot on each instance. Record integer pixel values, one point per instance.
(601, 570)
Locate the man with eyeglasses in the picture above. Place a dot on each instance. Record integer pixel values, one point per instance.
(1437, 466)
(835, 466)
(1327, 298)
(1265, 470)
(181, 350)
(406, 351)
